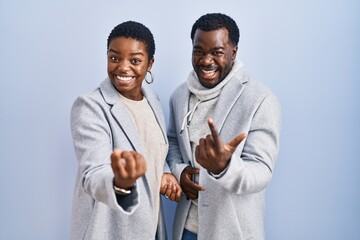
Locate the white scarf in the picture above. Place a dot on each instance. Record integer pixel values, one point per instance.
(205, 94)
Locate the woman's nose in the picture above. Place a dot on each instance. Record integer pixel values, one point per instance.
(123, 66)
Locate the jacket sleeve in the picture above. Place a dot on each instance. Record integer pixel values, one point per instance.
(92, 139)
(251, 166)
(174, 157)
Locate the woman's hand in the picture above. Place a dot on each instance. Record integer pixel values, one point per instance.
(170, 187)
(127, 166)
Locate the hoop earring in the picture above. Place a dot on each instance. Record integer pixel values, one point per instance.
(152, 78)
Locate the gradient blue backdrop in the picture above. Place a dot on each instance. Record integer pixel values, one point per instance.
(307, 52)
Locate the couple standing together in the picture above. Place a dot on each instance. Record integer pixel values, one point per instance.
(215, 158)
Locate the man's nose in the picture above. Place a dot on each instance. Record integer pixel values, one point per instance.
(207, 59)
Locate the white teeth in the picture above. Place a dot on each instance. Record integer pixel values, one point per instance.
(209, 72)
(124, 78)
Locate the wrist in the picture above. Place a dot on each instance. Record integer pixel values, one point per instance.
(122, 190)
(219, 174)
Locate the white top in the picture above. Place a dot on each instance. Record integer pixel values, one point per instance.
(154, 145)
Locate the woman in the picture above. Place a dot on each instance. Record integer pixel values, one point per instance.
(120, 143)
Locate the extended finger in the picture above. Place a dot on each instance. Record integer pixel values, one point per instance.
(214, 133)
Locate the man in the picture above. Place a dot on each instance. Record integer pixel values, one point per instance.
(223, 139)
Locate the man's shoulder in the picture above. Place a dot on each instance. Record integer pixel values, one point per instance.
(252, 85)
(180, 90)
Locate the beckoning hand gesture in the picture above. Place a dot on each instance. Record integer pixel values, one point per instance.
(127, 166)
(212, 154)
(170, 187)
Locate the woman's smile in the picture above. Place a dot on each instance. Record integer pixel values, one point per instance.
(125, 78)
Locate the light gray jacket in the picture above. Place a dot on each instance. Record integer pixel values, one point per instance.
(100, 122)
(232, 206)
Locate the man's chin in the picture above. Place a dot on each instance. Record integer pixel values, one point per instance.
(209, 83)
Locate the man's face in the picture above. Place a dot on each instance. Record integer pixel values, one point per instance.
(213, 55)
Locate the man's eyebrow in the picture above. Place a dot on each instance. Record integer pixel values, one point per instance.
(212, 49)
(218, 48)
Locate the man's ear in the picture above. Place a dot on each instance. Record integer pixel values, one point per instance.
(234, 51)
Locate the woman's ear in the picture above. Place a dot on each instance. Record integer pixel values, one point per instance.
(151, 62)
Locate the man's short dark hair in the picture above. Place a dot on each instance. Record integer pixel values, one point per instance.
(215, 21)
(137, 31)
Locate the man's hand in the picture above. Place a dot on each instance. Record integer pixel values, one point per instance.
(170, 187)
(190, 188)
(127, 166)
(212, 154)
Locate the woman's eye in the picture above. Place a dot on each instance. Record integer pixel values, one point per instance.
(113, 59)
(135, 61)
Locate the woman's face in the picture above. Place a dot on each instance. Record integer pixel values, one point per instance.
(128, 62)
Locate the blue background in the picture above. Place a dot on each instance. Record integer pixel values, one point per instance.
(307, 52)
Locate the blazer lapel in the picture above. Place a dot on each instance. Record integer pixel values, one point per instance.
(227, 99)
(181, 111)
(121, 114)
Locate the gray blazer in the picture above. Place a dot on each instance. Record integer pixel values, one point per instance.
(232, 206)
(100, 122)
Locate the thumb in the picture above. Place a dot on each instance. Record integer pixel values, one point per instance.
(236, 141)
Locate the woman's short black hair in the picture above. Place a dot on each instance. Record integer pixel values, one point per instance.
(137, 31)
(215, 21)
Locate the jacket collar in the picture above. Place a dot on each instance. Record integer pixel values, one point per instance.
(121, 114)
(226, 101)
(228, 97)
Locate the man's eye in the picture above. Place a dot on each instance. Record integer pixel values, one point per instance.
(197, 52)
(217, 53)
